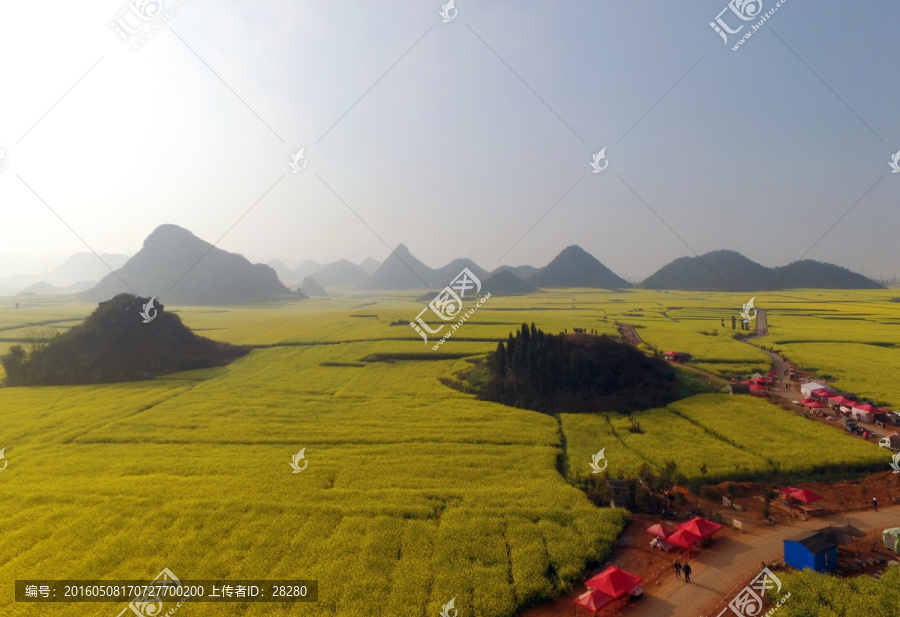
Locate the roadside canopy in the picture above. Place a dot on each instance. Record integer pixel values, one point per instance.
(593, 600)
(850, 531)
(758, 388)
(813, 403)
(685, 538)
(801, 494)
(868, 407)
(840, 400)
(659, 531)
(701, 527)
(614, 582)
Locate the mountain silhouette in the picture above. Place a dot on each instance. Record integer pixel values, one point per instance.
(307, 268)
(369, 265)
(46, 289)
(725, 270)
(402, 271)
(84, 267)
(506, 283)
(342, 273)
(114, 344)
(523, 272)
(575, 267)
(310, 288)
(285, 274)
(178, 267)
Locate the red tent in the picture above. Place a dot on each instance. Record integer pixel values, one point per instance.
(758, 388)
(614, 582)
(701, 527)
(867, 407)
(685, 538)
(594, 600)
(840, 400)
(800, 494)
(813, 403)
(659, 531)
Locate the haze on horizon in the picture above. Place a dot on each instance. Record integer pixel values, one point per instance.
(454, 138)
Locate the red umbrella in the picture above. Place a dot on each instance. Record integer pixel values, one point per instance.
(685, 538)
(614, 582)
(701, 527)
(659, 531)
(593, 600)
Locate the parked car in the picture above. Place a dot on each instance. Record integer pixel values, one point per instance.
(891, 442)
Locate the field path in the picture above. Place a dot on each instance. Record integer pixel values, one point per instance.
(725, 567)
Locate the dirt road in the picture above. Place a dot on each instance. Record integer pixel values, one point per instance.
(725, 567)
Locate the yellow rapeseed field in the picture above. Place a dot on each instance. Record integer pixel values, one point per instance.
(414, 493)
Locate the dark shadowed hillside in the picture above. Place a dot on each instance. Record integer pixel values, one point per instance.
(575, 267)
(114, 344)
(729, 270)
(178, 267)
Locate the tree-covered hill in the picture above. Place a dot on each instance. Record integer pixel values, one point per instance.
(578, 373)
(114, 344)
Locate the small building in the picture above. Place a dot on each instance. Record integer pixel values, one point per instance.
(739, 388)
(677, 356)
(620, 495)
(814, 550)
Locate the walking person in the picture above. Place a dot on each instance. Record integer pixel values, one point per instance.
(875, 504)
(687, 572)
(677, 567)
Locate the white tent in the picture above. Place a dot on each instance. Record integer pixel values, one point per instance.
(862, 415)
(808, 388)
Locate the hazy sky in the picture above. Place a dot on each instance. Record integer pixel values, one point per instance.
(482, 124)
